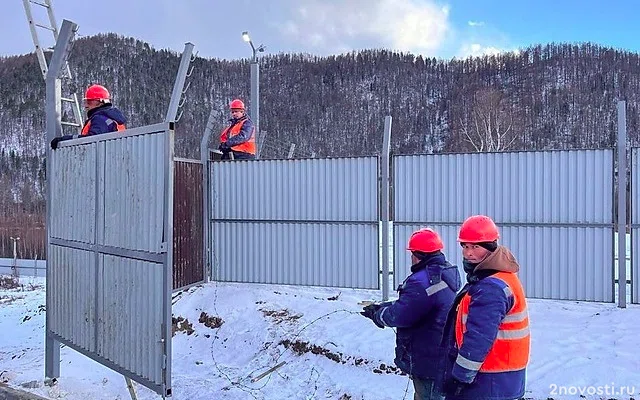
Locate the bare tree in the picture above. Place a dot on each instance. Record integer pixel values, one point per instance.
(490, 122)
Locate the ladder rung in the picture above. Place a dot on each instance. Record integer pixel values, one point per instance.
(38, 3)
(70, 124)
(45, 27)
(68, 100)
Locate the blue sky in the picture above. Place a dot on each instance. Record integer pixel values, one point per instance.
(444, 29)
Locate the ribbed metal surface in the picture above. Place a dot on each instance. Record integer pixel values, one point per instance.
(71, 310)
(187, 228)
(72, 195)
(635, 226)
(297, 254)
(306, 222)
(128, 330)
(109, 282)
(337, 189)
(545, 203)
(548, 270)
(134, 187)
(518, 187)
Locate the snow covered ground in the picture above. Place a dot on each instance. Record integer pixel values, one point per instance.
(329, 350)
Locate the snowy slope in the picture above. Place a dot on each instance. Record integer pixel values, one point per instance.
(329, 350)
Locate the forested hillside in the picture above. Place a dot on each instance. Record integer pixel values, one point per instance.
(554, 96)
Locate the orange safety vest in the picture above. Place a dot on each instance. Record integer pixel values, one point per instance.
(246, 147)
(87, 126)
(510, 350)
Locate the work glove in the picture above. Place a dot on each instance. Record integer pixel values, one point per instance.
(370, 312)
(454, 387)
(55, 141)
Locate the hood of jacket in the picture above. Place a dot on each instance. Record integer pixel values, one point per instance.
(500, 260)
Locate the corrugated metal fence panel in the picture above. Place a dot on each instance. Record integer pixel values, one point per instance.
(134, 187)
(635, 225)
(109, 289)
(187, 227)
(338, 255)
(71, 304)
(128, 334)
(517, 187)
(546, 203)
(73, 194)
(307, 222)
(335, 189)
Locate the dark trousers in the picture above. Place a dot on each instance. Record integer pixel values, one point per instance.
(425, 389)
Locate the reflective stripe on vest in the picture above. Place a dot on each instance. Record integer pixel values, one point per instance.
(108, 121)
(510, 350)
(246, 147)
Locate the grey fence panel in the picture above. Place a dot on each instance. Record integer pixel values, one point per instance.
(25, 267)
(74, 190)
(109, 283)
(129, 331)
(297, 254)
(335, 189)
(306, 222)
(635, 225)
(542, 201)
(71, 304)
(133, 200)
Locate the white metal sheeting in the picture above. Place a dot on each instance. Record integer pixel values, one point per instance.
(554, 209)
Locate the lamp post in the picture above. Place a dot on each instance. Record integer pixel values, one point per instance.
(255, 78)
(15, 255)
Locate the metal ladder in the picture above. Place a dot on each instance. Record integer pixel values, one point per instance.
(71, 97)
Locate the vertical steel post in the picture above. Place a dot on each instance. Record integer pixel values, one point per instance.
(178, 86)
(384, 215)
(206, 232)
(622, 204)
(54, 128)
(255, 94)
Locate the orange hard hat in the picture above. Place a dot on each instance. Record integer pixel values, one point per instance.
(97, 92)
(236, 104)
(425, 240)
(478, 229)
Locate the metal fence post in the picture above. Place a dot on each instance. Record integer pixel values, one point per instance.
(384, 215)
(54, 128)
(622, 205)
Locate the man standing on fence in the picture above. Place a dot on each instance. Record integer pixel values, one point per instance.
(239, 137)
(487, 331)
(420, 313)
(102, 116)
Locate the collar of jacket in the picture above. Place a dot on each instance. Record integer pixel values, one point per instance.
(236, 120)
(99, 108)
(436, 258)
(476, 275)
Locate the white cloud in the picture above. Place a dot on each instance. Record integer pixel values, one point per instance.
(417, 26)
(476, 23)
(478, 50)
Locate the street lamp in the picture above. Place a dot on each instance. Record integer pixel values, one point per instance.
(255, 88)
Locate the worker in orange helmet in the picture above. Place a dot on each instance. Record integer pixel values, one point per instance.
(239, 137)
(102, 116)
(487, 331)
(420, 312)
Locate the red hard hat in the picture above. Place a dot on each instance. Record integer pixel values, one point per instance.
(425, 240)
(97, 92)
(236, 104)
(478, 229)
